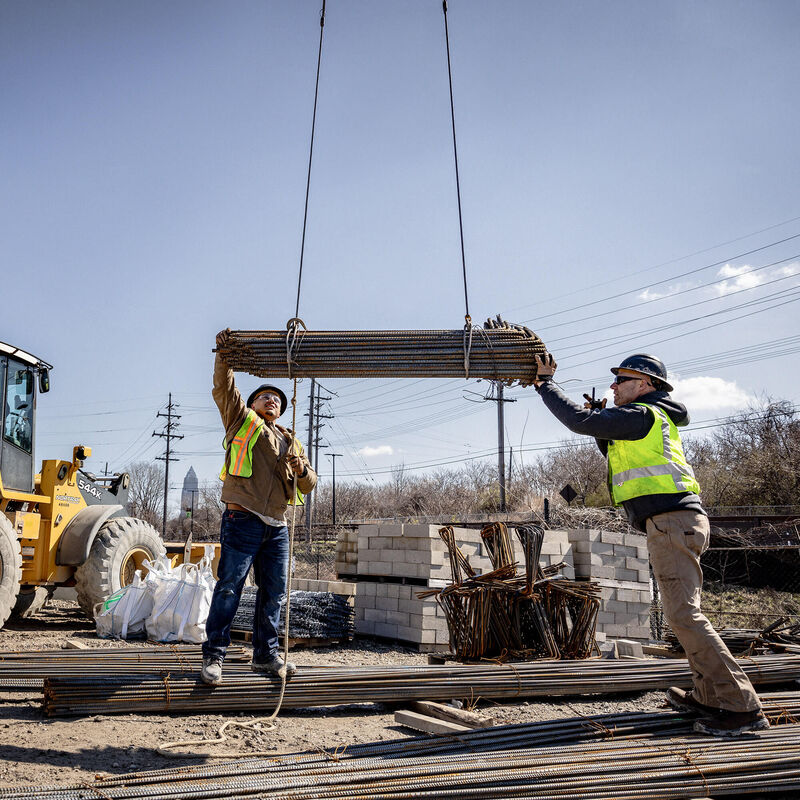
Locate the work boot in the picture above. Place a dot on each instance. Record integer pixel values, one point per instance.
(732, 723)
(212, 671)
(274, 665)
(685, 701)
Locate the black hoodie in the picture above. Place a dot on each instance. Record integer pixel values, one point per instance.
(625, 422)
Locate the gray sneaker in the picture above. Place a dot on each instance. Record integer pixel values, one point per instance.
(212, 671)
(733, 723)
(274, 666)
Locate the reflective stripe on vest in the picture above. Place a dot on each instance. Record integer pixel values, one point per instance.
(240, 460)
(655, 464)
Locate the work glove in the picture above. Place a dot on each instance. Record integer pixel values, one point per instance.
(545, 369)
(222, 338)
(593, 404)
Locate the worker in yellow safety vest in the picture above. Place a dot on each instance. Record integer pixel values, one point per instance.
(264, 463)
(649, 476)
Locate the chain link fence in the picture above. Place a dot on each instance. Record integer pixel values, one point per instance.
(751, 576)
(315, 554)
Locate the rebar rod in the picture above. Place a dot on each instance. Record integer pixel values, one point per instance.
(35, 665)
(70, 696)
(623, 766)
(499, 351)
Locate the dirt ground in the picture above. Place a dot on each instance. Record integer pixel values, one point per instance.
(36, 750)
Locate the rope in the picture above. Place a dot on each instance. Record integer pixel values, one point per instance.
(467, 317)
(310, 156)
(167, 749)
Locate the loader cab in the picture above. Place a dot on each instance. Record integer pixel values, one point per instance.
(18, 378)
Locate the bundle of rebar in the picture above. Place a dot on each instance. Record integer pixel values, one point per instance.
(645, 756)
(28, 668)
(783, 635)
(312, 615)
(504, 615)
(498, 351)
(333, 686)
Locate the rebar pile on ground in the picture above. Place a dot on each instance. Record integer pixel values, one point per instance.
(499, 351)
(503, 615)
(782, 635)
(28, 668)
(332, 686)
(644, 756)
(312, 615)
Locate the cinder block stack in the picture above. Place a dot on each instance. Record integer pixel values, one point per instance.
(347, 553)
(618, 563)
(394, 562)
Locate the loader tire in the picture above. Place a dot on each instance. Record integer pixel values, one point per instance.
(120, 547)
(30, 600)
(10, 568)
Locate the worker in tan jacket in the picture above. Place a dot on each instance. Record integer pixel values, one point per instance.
(262, 461)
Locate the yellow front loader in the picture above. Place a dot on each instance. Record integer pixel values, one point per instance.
(63, 526)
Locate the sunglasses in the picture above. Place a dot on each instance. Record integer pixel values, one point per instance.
(620, 379)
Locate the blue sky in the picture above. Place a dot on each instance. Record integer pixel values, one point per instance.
(629, 180)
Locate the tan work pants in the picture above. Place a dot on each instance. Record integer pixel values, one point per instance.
(676, 540)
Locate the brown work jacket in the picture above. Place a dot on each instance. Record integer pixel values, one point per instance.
(268, 490)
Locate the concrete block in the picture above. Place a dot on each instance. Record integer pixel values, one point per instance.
(409, 634)
(365, 627)
(644, 576)
(427, 637)
(602, 572)
(392, 589)
(614, 606)
(397, 618)
(421, 531)
(612, 537)
(629, 648)
(627, 574)
(390, 529)
(374, 615)
(385, 629)
(605, 618)
(583, 535)
(442, 637)
(377, 568)
(386, 603)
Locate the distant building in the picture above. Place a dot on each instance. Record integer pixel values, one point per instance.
(190, 489)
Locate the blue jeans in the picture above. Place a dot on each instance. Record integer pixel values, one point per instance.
(247, 541)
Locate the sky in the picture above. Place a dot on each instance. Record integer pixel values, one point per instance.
(629, 182)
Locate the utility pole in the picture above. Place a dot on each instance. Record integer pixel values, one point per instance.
(333, 457)
(318, 426)
(169, 434)
(315, 425)
(501, 438)
(310, 450)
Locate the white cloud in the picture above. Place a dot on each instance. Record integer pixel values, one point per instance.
(708, 394)
(667, 291)
(789, 269)
(380, 450)
(741, 278)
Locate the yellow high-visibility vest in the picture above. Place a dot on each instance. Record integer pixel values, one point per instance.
(240, 455)
(655, 464)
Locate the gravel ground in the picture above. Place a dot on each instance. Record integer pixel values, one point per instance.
(35, 750)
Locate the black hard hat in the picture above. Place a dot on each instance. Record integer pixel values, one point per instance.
(647, 365)
(266, 387)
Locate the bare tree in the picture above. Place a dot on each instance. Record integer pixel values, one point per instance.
(146, 495)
